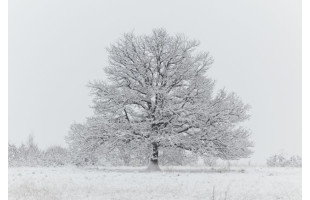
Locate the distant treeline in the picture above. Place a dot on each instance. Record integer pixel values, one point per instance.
(29, 154)
(281, 160)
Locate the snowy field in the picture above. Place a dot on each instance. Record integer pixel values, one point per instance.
(173, 183)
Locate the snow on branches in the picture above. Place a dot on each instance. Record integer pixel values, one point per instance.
(159, 93)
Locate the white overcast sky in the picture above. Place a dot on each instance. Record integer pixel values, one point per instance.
(56, 47)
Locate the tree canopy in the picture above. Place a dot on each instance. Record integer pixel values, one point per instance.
(158, 92)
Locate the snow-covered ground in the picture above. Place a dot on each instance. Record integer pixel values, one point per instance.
(173, 183)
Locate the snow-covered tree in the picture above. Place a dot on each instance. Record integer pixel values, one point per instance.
(27, 154)
(283, 160)
(56, 156)
(177, 156)
(13, 155)
(158, 93)
(31, 152)
(209, 161)
(295, 161)
(124, 155)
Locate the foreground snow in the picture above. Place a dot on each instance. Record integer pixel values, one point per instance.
(172, 183)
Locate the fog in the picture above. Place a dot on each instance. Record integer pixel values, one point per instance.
(57, 47)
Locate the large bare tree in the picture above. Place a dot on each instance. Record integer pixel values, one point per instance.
(158, 93)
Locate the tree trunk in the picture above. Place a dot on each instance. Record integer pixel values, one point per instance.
(153, 165)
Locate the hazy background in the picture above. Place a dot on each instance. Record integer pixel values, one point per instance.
(56, 47)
